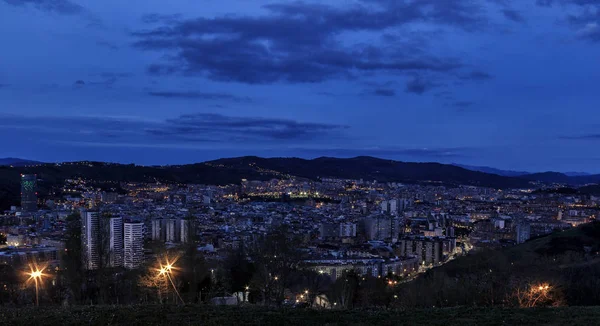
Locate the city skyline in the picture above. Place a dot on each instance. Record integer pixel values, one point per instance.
(506, 84)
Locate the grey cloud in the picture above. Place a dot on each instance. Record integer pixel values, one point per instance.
(190, 128)
(384, 92)
(418, 85)
(412, 153)
(107, 44)
(65, 7)
(582, 137)
(106, 79)
(246, 127)
(463, 104)
(476, 75)
(156, 18)
(586, 19)
(299, 43)
(513, 15)
(327, 94)
(200, 96)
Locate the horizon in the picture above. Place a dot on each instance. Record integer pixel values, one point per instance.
(505, 84)
(464, 166)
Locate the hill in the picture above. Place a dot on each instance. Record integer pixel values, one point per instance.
(211, 315)
(233, 170)
(567, 261)
(17, 161)
(487, 169)
(370, 168)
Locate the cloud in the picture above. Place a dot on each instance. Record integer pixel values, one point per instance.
(418, 85)
(582, 137)
(156, 18)
(591, 32)
(106, 79)
(107, 44)
(476, 75)
(200, 96)
(327, 94)
(463, 104)
(64, 7)
(583, 16)
(513, 15)
(410, 153)
(384, 92)
(298, 42)
(245, 127)
(197, 128)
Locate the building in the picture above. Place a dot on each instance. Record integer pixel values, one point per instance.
(115, 253)
(523, 232)
(328, 230)
(172, 230)
(429, 251)
(90, 242)
(347, 230)
(29, 192)
(159, 230)
(381, 228)
(184, 230)
(393, 206)
(133, 244)
(108, 197)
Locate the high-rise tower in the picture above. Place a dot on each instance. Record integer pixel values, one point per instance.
(29, 192)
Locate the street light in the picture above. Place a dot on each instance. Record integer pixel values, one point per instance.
(37, 275)
(166, 270)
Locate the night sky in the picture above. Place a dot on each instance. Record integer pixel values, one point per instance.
(509, 84)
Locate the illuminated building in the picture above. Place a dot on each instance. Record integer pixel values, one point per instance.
(115, 256)
(133, 244)
(90, 241)
(28, 192)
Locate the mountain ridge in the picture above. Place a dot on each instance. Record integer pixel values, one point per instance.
(17, 161)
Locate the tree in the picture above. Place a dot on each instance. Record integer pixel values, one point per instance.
(275, 257)
(73, 272)
(343, 292)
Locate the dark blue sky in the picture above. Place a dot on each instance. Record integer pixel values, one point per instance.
(509, 84)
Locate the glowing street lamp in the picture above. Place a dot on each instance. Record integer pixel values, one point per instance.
(166, 270)
(36, 275)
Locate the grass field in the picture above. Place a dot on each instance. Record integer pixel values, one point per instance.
(243, 316)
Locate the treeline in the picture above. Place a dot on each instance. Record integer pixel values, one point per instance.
(557, 270)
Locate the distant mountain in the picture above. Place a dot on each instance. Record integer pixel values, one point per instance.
(17, 161)
(556, 177)
(233, 170)
(370, 168)
(577, 174)
(487, 169)
(510, 173)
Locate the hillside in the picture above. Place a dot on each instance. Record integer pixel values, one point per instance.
(17, 161)
(210, 315)
(233, 170)
(556, 177)
(487, 169)
(568, 261)
(370, 168)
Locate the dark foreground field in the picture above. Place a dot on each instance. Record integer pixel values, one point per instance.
(204, 315)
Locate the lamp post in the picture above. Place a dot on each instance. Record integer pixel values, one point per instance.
(166, 270)
(36, 275)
